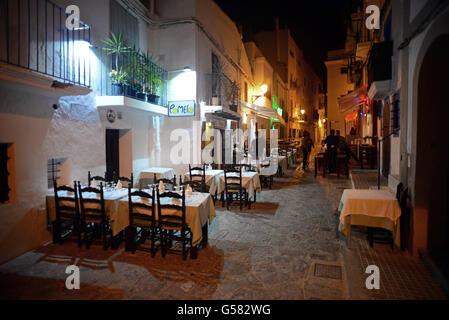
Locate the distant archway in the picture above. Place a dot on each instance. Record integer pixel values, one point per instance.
(432, 174)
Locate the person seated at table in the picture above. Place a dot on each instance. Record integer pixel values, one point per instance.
(332, 142)
(343, 146)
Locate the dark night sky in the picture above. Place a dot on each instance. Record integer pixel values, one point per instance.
(316, 25)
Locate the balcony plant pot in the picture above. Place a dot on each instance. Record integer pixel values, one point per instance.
(117, 89)
(152, 98)
(130, 92)
(141, 96)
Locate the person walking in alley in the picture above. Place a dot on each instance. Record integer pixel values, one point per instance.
(306, 147)
(332, 142)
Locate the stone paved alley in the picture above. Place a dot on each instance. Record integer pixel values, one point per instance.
(285, 247)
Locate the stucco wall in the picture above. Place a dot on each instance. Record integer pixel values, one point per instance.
(336, 86)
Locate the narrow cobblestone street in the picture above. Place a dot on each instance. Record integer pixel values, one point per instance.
(286, 247)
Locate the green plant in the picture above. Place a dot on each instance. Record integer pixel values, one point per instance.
(116, 44)
(119, 77)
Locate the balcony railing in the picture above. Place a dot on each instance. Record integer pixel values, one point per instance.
(34, 36)
(380, 64)
(132, 74)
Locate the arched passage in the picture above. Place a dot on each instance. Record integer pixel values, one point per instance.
(432, 174)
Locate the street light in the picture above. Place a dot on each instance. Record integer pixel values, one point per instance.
(263, 90)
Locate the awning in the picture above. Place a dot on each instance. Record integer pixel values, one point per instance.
(264, 112)
(353, 100)
(221, 112)
(352, 116)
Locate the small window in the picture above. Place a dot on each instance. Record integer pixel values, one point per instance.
(58, 169)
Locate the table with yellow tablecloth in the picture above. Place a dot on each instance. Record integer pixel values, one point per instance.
(200, 210)
(370, 208)
(250, 182)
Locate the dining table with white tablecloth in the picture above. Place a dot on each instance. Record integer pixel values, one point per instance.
(370, 208)
(146, 176)
(111, 198)
(250, 182)
(212, 180)
(200, 210)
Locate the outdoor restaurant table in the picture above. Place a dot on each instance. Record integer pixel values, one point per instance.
(200, 210)
(212, 180)
(282, 160)
(146, 176)
(111, 199)
(370, 208)
(250, 182)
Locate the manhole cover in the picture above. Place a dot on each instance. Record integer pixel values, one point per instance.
(328, 271)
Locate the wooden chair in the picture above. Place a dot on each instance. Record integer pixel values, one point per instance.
(196, 185)
(126, 179)
(97, 178)
(172, 222)
(266, 181)
(142, 220)
(248, 168)
(342, 162)
(171, 183)
(94, 220)
(198, 173)
(401, 196)
(234, 189)
(67, 210)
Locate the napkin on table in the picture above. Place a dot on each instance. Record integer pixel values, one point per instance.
(189, 190)
(119, 185)
(93, 183)
(161, 187)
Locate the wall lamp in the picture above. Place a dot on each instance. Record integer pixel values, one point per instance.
(185, 69)
(263, 90)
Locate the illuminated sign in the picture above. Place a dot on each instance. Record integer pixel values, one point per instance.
(181, 108)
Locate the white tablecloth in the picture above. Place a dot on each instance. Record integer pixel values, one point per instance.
(250, 181)
(199, 211)
(371, 208)
(212, 181)
(146, 176)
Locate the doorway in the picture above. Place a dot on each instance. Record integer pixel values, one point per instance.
(112, 154)
(432, 179)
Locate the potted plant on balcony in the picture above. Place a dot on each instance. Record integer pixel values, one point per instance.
(119, 82)
(116, 46)
(154, 87)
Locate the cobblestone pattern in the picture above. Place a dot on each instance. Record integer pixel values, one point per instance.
(268, 252)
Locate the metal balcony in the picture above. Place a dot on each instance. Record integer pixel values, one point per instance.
(34, 36)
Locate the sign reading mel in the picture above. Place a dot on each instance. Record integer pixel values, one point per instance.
(181, 108)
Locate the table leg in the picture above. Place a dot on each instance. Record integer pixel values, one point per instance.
(129, 238)
(194, 253)
(205, 231)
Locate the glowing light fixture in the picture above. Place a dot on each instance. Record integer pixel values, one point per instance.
(263, 90)
(303, 111)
